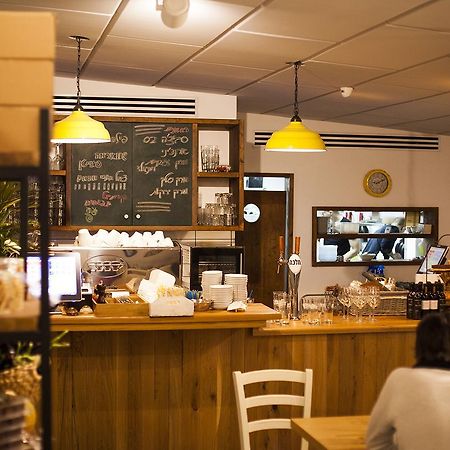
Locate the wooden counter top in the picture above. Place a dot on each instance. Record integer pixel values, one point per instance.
(382, 324)
(255, 317)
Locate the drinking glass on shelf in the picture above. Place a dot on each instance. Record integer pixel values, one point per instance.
(359, 300)
(210, 157)
(373, 300)
(279, 305)
(328, 307)
(345, 300)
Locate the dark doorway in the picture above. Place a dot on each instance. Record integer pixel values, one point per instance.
(268, 200)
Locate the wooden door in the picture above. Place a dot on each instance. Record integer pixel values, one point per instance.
(260, 239)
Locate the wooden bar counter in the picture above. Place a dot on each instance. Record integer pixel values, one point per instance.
(159, 384)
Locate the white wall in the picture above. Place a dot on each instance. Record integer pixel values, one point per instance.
(334, 178)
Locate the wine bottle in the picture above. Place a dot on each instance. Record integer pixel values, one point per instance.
(434, 298)
(410, 302)
(417, 301)
(441, 297)
(425, 299)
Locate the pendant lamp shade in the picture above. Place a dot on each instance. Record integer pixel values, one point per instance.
(79, 128)
(295, 137)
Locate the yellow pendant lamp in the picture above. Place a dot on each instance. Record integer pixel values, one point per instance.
(295, 137)
(79, 128)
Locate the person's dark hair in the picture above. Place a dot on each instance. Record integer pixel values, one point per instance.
(433, 341)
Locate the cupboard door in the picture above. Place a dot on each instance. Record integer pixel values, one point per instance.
(101, 181)
(162, 174)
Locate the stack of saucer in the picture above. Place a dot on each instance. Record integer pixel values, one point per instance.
(221, 295)
(239, 283)
(210, 277)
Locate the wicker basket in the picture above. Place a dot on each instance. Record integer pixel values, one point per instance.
(392, 303)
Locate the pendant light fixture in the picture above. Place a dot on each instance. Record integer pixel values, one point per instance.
(79, 128)
(295, 137)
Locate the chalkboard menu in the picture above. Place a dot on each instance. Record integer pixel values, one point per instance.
(101, 176)
(143, 177)
(162, 181)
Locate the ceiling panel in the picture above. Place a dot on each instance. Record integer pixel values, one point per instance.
(328, 75)
(263, 97)
(66, 60)
(117, 74)
(70, 23)
(93, 6)
(439, 125)
(436, 106)
(219, 77)
(390, 47)
(328, 20)
(141, 20)
(139, 53)
(435, 16)
(378, 94)
(434, 75)
(263, 52)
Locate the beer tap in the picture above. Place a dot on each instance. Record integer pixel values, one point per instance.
(295, 268)
(281, 259)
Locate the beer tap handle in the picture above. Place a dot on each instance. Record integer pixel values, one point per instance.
(297, 245)
(281, 245)
(281, 251)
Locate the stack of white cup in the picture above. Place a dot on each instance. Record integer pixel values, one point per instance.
(210, 277)
(239, 283)
(221, 295)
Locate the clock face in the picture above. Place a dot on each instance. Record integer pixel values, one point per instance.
(377, 182)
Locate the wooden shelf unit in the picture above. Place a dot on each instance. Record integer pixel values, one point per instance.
(234, 178)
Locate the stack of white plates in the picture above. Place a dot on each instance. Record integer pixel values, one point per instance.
(221, 295)
(239, 283)
(210, 277)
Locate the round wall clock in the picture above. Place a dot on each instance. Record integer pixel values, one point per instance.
(377, 182)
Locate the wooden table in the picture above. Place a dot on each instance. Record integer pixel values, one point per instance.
(333, 433)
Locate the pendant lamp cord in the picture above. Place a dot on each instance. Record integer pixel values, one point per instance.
(78, 105)
(296, 117)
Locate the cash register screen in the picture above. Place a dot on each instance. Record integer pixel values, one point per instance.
(64, 276)
(435, 255)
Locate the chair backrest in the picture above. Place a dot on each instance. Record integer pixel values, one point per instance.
(244, 403)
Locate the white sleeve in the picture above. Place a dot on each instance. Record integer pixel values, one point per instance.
(380, 431)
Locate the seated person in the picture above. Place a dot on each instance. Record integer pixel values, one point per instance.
(413, 409)
(383, 245)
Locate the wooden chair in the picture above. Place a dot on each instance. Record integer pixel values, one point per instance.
(244, 403)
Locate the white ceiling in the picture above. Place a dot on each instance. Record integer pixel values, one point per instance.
(395, 53)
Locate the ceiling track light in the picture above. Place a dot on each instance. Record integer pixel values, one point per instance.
(295, 137)
(79, 128)
(173, 12)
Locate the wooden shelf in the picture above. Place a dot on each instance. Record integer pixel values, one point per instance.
(218, 175)
(147, 228)
(61, 173)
